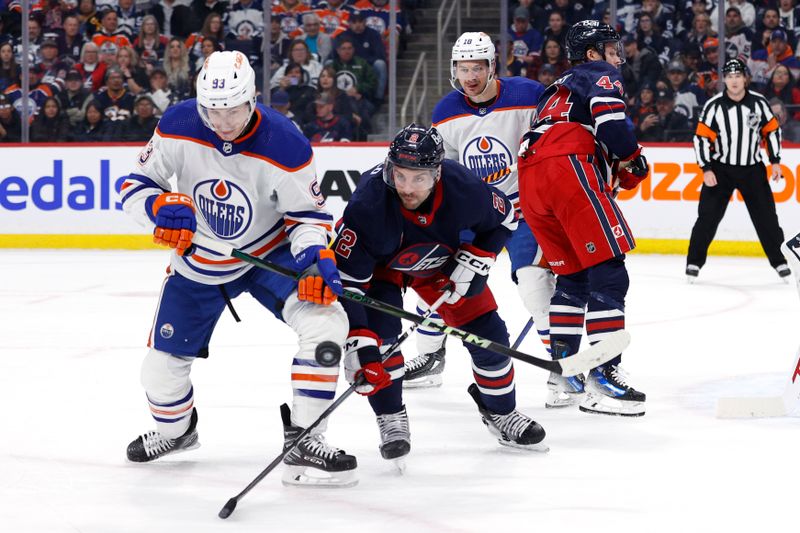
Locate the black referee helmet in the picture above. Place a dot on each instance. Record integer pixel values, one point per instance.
(735, 65)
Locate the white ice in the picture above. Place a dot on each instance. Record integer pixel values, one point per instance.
(74, 326)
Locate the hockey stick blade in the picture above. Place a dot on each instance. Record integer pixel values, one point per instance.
(598, 354)
(764, 407)
(229, 507)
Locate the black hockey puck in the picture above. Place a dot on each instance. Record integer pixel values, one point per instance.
(328, 353)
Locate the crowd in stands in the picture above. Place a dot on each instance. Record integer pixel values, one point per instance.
(672, 51)
(106, 70)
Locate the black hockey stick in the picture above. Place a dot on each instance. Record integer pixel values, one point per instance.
(612, 345)
(230, 505)
(523, 334)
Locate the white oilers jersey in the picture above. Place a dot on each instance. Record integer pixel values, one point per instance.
(256, 194)
(486, 139)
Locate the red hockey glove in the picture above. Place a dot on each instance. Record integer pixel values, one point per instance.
(362, 362)
(175, 221)
(627, 180)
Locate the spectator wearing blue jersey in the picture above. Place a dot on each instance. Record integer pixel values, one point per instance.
(526, 41)
(536, 14)
(327, 126)
(369, 46)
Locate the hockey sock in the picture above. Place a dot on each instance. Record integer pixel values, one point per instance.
(172, 417)
(493, 373)
(535, 286)
(567, 308)
(608, 283)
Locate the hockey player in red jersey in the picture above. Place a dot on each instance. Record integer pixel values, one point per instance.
(578, 150)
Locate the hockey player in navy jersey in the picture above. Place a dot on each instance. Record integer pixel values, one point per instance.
(245, 176)
(402, 229)
(481, 122)
(578, 150)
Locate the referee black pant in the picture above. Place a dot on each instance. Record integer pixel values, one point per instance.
(752, 182)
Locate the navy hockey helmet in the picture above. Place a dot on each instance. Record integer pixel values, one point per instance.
(590, 35)
(417, 148)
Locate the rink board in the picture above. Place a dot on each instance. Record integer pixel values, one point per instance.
(66, 196)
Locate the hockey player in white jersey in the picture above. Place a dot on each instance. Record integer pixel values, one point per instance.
(482, 121)
(244, 175)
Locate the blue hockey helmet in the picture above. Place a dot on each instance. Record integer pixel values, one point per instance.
(414, 147)
(590, 35)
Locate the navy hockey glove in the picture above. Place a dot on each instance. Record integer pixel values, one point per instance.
(636, 165)
(362, 362)
(469, 272)
(175, 221)
(319, 282)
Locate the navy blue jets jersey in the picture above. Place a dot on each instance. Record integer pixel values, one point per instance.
(589, 94)
(376, 232)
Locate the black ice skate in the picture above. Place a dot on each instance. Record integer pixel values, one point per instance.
(152, 445)
(514, 429)
(608, 393)
(783, 272)
(425, 371)
(313, 462)
(395, 437)
(692, 271)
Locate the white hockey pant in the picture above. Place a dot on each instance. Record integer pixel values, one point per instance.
(535, 286)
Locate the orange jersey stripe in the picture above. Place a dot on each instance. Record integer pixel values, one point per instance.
(278, 238)
(770, 126)
(315, 377)
(705, 131)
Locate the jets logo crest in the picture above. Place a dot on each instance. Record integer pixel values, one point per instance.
(485, 155)
(421, 260)
(225, 207)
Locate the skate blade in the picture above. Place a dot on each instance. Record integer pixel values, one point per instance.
(301, 476)
(425, 382)
(399, 464)
(599, 408)
(560, 403)
(751, 407)
(539, 447)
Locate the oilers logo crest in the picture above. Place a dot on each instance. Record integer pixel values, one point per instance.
(421, 260)
(485, 155)
(225, 207)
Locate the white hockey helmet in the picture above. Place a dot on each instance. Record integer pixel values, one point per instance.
(226, 81)
(472, 46)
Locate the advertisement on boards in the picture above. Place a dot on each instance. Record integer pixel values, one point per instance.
(63, 191)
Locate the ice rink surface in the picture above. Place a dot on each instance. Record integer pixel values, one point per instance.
(74, 326)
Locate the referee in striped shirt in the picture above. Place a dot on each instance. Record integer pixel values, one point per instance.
(727, 145)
